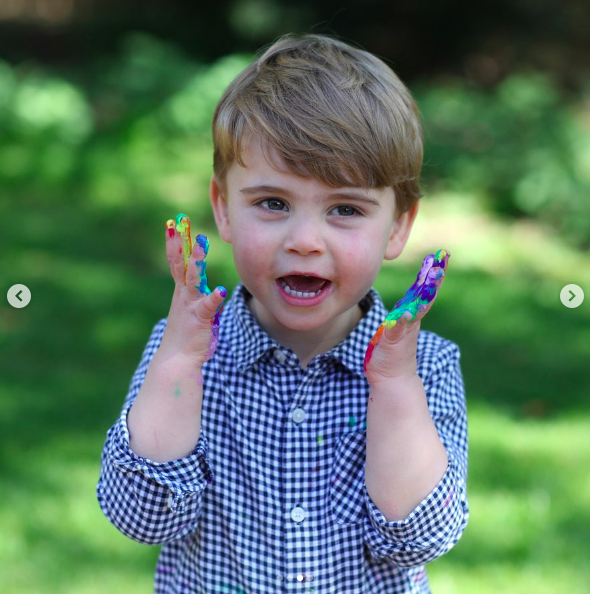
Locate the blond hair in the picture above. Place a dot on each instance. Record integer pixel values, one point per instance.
(332, 112)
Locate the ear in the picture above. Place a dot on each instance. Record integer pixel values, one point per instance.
(220, 210)
(400, 233)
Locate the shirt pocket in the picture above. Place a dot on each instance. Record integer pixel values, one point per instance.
(347, 478)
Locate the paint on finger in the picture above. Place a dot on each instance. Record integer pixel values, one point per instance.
(198, 377)
(215, 322)
(183, 226)
(171, 225)
(417, 297)
(202, 250)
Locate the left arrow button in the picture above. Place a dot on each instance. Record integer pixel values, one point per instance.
(19, 296)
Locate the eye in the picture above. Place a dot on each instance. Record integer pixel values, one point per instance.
(271, 204)
(347, 211)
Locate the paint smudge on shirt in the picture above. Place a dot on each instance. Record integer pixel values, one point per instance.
(235, 589)
(417, 297)
(449, 497)
(162, 568)
(320, 439)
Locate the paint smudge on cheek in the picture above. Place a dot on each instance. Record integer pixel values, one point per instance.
(177, 389)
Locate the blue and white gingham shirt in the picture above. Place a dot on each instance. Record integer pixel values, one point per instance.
(273, 498)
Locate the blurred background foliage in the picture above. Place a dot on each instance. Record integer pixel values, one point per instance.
(105, 112)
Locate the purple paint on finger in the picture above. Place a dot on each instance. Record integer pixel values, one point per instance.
(417, 297)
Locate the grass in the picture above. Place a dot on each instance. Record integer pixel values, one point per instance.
(99, 282)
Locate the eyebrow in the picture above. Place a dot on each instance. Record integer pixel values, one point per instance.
(277, 190)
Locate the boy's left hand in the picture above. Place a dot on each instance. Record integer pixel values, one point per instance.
(392, 351)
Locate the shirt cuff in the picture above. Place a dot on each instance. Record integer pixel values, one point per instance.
(428, 531)
(182, 477)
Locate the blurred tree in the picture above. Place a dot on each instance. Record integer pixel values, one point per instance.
(484, 41)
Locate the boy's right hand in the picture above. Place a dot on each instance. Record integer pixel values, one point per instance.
(192, 330)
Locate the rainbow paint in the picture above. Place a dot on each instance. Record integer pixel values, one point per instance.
(417, 297)
(202, 250)
(183, 226)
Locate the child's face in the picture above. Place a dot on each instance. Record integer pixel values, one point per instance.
(299, 226)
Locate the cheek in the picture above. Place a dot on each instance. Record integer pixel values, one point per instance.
(251, 252)
(361, 256)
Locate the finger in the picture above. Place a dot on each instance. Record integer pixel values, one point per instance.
(423, 291)
(174, 252)
(211, 307)
(196, 277)
(183, 226)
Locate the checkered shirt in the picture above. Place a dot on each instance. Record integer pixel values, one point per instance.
(272, 499)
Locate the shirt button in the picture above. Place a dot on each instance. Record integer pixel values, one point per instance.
(297, 514)
(290, 577)
(298, 415)
(280, 356)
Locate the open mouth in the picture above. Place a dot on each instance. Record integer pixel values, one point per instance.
(303, 286)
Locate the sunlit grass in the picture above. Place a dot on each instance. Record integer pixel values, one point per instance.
(528, 494)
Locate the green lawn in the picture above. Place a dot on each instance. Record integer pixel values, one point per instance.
(99, 281)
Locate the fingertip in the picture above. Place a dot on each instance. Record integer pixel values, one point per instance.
(221, 291)
(203, 243)
(170, 227)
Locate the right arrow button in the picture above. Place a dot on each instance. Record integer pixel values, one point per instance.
(572, 296)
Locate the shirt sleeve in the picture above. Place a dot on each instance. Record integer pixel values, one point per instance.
(439, 520)
(150, 502)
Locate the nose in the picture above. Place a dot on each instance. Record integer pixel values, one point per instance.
(304, 237)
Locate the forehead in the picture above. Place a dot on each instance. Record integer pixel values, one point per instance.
(264, 166)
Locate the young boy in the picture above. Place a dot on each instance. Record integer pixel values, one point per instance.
(254, 445)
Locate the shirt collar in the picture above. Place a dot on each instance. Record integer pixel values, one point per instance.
(252, 342)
